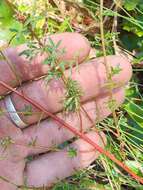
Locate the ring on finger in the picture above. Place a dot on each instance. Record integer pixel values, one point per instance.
(13, 113)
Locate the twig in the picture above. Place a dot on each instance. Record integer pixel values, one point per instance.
(107, 66)
(12, 67)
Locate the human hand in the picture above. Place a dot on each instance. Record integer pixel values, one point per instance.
(43, 136)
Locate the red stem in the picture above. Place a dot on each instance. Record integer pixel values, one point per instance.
(76, 132)
(80, 119)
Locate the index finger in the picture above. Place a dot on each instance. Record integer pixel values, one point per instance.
(17, 67)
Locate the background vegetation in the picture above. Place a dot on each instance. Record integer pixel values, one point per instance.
(123, 28)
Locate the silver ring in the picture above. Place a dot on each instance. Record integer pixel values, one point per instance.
(13, 113)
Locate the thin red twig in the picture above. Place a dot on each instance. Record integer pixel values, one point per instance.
(62, 123)
(80, 120)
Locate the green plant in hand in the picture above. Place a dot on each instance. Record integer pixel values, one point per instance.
(122, 144)
(73, 91)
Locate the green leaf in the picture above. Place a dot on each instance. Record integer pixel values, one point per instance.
(72, 152)
(5, 14)
(116, 70)
(9, 26)
(65, 26)
(135, 132)
(135, 112)
(72, 96)
(135, 166)
(130, 4)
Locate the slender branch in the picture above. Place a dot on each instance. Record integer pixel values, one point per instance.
(7, 181)
(107, 66)
(12, 67)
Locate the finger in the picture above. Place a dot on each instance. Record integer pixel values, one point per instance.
(76, 48)
(49, 134)
(91, 78)
(11, 173)
(11, 167)
(7, 127)
(53, 167)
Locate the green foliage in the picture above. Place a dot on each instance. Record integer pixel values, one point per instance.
(96, 42)
(116, 70)
(112, 104)
(5, 14)
(31, 51)
(54, 74)
(53, 52)
(80, 181)
(130, 27)
(64, 186)
(135, 112)
(72, 152)
(131, 4)
(73, 91)
(72, 96)
(133, 38)
(135, 166)
(9, 26)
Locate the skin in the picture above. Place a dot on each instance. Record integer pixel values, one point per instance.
(28, 70)
(52, 166)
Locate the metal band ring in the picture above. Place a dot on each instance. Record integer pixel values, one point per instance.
(13, 113)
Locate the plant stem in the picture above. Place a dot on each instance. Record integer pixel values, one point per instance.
(12, 67)
(107, 66)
